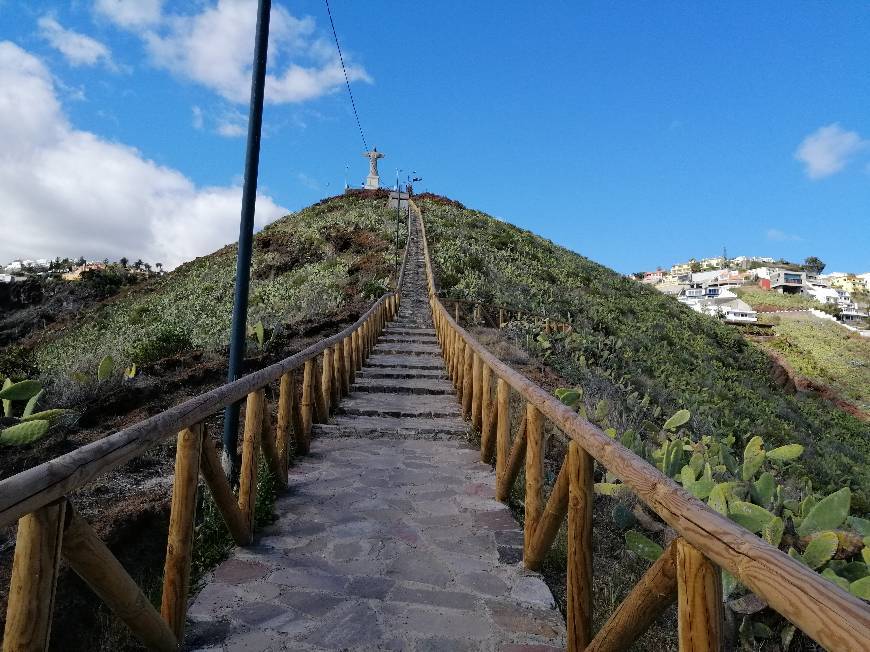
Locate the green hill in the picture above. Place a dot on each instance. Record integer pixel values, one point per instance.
(325, 264)
(631, 341)
(318, 266)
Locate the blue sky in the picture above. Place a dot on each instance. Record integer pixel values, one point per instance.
(638, 134)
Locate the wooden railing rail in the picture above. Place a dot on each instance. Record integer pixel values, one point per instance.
(689, 570)
(49, 528)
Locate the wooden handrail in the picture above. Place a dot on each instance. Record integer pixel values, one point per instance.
(831, 616)
(40, 485)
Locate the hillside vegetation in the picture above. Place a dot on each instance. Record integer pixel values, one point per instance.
(768, 300)
(631, 341)
(825, 353)
(315, 265)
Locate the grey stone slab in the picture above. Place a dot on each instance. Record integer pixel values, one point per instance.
(399, 405)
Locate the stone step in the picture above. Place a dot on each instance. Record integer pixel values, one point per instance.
(390, 427)
(402, 386)
(399, 405)
(396, 330)
(401, 372)
(428, 340)
(391, 348)
(390, 361)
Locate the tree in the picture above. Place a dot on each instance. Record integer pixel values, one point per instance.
(138, 264)
(124, 262)
(81, 261)
(814, 265)
(159, 267)
(696, 266)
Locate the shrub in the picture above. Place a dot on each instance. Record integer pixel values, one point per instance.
(168, 340)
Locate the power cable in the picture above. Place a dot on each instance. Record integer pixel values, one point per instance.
(346, 80)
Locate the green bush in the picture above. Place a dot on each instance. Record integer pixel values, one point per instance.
(167, 341)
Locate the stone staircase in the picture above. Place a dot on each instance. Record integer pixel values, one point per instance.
(389, 536)
(403, 390)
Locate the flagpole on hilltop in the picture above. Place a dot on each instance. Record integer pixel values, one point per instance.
(238, 331)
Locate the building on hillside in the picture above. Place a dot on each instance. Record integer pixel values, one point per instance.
(714, 262)
(738, 311)
(653, 277)
(786, 282)
(6, 278)
(717, 302)
(853, 316)
(745, 261)
(850, 283)
(682, 268)
(76, 274)
(671, 289)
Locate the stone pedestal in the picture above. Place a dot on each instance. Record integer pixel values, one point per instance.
(373, 182)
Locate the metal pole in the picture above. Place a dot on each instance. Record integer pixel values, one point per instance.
(246, 233)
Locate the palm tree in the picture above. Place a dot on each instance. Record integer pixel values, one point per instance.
(138, 264)
(159, 267)
(124, 260)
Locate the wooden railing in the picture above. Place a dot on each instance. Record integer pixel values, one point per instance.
(310, 385)
(689, 569)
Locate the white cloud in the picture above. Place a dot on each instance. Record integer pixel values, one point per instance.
(232, 124)
(214, 48)
(78, 49)
(781, 236)
(64, 191)
(827, 150)
(197, 117)
(130, 13)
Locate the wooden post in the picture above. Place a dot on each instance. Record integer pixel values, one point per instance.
(326, 384)
(456, 312)
(501, 318)
(248, 472)
(347, 366)
(534, 474)
(653, 593)
(503, 429)
(179, 542)
(460, 366)
(309, 391)
(269, 447)
(34, 579)
(487, 415)
(455, 357)
(515, 463)
(224, 499)
(579, 583)
(551, 520)
(97, 566)
(301, 437)
(337, 359)
(467, 381)
(475, 391)
(286, 401)
(699, 601)
(357, 350)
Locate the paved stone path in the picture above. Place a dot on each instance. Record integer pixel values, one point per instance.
(389, 537)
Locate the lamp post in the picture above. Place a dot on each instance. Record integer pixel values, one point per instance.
(246, 233)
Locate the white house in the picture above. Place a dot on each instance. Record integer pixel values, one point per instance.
(717, 302)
